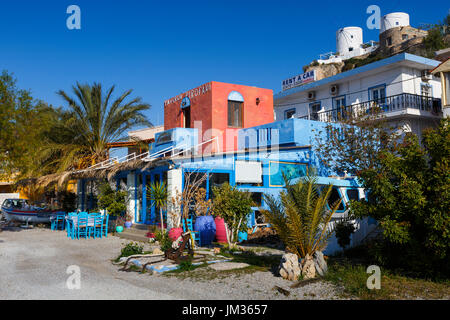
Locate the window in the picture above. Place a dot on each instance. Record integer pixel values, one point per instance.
(350, 49)
(290, 169)
(257, 198)
(425, 90)
(288, 114)
(339, 107)
(389, 41)
(187, 117)
(164, 137)
(334, 197)
(404, 37)
(353, 194)
(216, 179)
(378, 94)
(235, 109)
(314, 109)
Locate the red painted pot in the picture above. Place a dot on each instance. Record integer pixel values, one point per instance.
(221, 233)
(175, 233)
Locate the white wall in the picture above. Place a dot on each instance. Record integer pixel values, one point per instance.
(397, 79)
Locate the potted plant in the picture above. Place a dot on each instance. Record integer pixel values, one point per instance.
(204, 222)
(174, 215)
(119, 224)
(128, 221)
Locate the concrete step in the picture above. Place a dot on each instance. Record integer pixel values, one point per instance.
(135, 231)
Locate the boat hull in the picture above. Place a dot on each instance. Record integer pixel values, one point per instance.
(27, 216)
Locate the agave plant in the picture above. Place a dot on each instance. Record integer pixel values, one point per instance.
(300, 216)
(158, 193)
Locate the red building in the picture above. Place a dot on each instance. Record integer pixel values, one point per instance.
(219, 109)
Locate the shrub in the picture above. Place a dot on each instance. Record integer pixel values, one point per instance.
(344, 229)
(163, 238)
(113, 201)
(233, 206)
(130, 249)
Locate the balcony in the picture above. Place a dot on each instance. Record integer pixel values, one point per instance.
(391, 106)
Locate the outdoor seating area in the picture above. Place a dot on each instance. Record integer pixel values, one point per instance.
(81, 225)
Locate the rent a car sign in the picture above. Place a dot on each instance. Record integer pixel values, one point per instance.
(303, 78)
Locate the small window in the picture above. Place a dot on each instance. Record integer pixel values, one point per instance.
(257, 198)
(187, 117)
(353, 194)
(378, 94)
(235, 114)
(288, 114)
(314, 109)
(425, 90)
(216, 179)
(164, 137)
(404, 37)
(350, 49)
(389, 41)
(334, 197)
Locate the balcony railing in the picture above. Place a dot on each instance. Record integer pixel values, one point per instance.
(381, 106)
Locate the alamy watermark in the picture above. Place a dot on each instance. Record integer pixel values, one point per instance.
(74, 20)
(374, 280)
(73, 282)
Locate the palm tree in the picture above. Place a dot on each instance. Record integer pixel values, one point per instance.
(81, 132)
(301, 216)
(159, 195)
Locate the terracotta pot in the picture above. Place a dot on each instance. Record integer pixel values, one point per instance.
(174, 233)
(221, 233)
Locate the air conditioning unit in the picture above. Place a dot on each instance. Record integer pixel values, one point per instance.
(334, 90)
(426, 75)
(311, 95)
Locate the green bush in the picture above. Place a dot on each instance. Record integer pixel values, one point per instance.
(163, 238)
(233, 206)
(130, 249)
(113, 201)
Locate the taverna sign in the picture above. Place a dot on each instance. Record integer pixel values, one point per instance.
(303, 78)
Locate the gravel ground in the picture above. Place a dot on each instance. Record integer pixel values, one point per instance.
(34, 262)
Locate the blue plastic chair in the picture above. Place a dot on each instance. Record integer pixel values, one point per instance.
(58, 221)
(82, 228)
(96, 229)
(104, 229)
(195, 234)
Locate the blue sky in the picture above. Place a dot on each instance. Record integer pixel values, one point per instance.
(163, 48)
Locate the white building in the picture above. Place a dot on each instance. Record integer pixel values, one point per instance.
(400, 85)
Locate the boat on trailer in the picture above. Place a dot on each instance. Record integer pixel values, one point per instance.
(21, 210)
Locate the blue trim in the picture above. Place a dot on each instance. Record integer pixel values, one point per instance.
(368, 67)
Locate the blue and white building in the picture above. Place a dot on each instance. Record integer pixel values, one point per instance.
(401, 85)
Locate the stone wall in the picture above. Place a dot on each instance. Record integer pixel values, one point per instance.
(399, 39)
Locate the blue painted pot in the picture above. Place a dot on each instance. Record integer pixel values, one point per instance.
(119, 229)
(242, 236)
(206, 227)
(128, 224)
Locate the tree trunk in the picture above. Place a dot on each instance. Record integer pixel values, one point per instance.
(162, 222)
